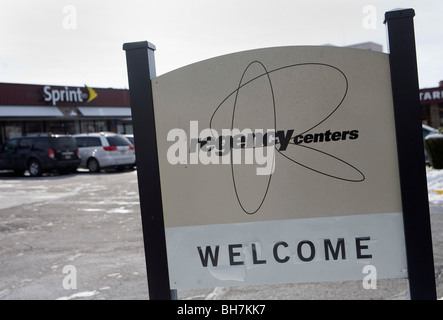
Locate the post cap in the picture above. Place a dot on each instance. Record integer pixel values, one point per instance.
(138, 45)
(399, 14)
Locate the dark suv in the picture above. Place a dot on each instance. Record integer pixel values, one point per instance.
(38, 154)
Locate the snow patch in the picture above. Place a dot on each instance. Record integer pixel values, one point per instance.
(435, 185)
(121, 210)
(83, 294)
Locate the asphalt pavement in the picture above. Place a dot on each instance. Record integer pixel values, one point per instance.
(79, 236)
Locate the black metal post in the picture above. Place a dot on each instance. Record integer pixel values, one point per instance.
(141, 69)
(405, 91)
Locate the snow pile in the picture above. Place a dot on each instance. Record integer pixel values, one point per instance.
(435, 185)
(434, 136)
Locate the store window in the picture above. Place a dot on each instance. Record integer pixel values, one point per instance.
(101, 126)
(13, 130)
(56, 127)
(72, 127)
(89, 126)
(125, 128)
(34, 127)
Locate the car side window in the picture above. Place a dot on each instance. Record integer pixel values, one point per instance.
(118, 141)
(25, 144)
(40, 144)
(11, 145)
(94, 142)
(82, 142)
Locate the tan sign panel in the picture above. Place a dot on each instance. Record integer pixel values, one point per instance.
(256, 145)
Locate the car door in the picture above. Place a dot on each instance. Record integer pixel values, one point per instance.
(8, 154)
(23, 152)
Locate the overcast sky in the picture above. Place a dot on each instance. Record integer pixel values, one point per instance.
(78, 42)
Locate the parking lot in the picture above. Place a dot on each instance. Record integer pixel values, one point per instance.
(90, 223)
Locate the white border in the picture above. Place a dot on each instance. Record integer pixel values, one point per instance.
(386, 246)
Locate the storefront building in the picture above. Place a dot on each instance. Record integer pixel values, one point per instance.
(431, 102)
(27, 109)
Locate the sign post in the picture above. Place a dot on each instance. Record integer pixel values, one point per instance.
(141, 69)
(405, 91)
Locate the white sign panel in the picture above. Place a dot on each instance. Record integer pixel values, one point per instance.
(279, 165)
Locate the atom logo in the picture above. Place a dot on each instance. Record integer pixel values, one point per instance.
(256, 103)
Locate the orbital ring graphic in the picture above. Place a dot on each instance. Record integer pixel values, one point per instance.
(265, 75)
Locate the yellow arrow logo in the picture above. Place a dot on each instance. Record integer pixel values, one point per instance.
(92, 94)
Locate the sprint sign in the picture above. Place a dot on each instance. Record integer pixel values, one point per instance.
(279, 165)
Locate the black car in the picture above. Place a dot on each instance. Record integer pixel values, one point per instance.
(38, 154)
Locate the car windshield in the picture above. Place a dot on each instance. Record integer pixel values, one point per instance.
(117, 141)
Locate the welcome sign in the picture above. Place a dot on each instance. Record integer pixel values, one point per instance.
(279, 165)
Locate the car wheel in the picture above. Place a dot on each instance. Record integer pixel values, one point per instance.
(34, 168)
(93, 165)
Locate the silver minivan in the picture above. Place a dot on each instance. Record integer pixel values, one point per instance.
(105, 150)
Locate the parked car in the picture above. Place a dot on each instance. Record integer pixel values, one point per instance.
(427, 130)
(130, 138)
(38, 154)
(105, 150)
